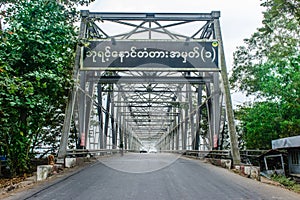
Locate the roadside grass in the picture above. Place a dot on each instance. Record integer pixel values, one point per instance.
(287, 182)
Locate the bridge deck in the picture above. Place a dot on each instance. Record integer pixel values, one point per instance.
(157, 176)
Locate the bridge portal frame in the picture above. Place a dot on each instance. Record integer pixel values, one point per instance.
(82, 97)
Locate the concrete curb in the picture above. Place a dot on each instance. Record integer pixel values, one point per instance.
(34, 189)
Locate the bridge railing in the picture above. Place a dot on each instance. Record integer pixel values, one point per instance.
(247, 156)
(252, 153)
(202, 153)
(85, 152)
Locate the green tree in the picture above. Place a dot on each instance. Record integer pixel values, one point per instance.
(36, 59)
(268, 67)
(260, 124)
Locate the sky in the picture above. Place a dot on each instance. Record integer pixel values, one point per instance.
(239, 18)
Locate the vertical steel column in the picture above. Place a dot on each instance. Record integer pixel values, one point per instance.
(125, 133)
(121, 131)
(210, 115)
(173, 139)
(177, 121)
(168, 147)
(130, 138)
(71, 98)
(228, 103)
(82, 110)
(150, 32)
(216, 104)
(198, 117)
(180, 118)
(130, 134)
(166, 143)
(191, 116)
(112, 120)
(186, 120)
(108, 100)
(172, 134)
(88, 115)
(100, 118)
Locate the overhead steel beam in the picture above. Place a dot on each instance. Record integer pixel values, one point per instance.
(144, 106)
(155, 102)
(151, 115)
(139, 126)
(142, 91)
(151, 79)
(151, 16)
(149, 120)
(149, 138)
(152, 124)
(157, 133)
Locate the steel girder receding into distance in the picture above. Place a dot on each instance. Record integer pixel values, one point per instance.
(149, 104)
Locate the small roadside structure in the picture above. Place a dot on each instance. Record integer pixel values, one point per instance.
(273, 162)
(292, 145)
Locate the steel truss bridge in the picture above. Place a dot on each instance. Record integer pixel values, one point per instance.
(149, 80)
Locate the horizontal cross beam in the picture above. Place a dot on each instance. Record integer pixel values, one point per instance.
(153, 79)
(152, 16)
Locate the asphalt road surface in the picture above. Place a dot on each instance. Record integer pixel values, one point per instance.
(156, 177)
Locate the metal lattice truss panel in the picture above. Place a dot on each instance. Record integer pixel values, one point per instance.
(152, 102)
(174, 26)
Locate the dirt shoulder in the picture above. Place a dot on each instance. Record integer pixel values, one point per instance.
(16, 188)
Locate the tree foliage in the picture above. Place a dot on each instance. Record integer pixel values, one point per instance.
(267, 66)
(36, 59)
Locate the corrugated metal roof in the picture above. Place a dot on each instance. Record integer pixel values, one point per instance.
(287, 142)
